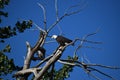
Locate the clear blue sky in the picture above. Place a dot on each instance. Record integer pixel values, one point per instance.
(97, 13)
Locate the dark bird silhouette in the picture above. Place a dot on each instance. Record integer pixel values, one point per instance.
(61, 40)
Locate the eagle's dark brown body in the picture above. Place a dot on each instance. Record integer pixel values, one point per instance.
(63, 40)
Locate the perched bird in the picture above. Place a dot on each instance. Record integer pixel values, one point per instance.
(61, 40)
(41, 53)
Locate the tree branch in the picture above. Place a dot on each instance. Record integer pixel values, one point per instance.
(31, 51)
(101, 72)
(54, 24)
(104, 66)
(88, 67)
(27, 59)
(64, 15)
(84, 39)
(94, 76)
(27, 71)
(56, 9)
(51, 61)
(44, 14)
(39, 27)
(41, 62)
(79, 6)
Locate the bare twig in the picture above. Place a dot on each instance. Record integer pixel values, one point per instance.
(80, 6)
(71, 13)
(82, 41)
(94, 76)
(49, 42)
(33, 29)
(101, 73)
(92, 47)
(57, 17)
(39, 28)
(104, 66)
(41, 62)
(93, 42)
(56, 9)
(54, 24)
(44, 14)
(59, 28)
(85, 59)
(64, 15)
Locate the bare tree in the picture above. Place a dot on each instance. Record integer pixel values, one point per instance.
(38, 70)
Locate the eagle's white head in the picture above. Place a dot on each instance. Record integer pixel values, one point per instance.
(54, 36)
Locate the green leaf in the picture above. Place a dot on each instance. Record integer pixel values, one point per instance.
(7, 49)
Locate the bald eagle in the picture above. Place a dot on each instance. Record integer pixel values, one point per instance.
(61, 40)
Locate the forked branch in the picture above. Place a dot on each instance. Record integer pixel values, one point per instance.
(88, 68)
(64, 15)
